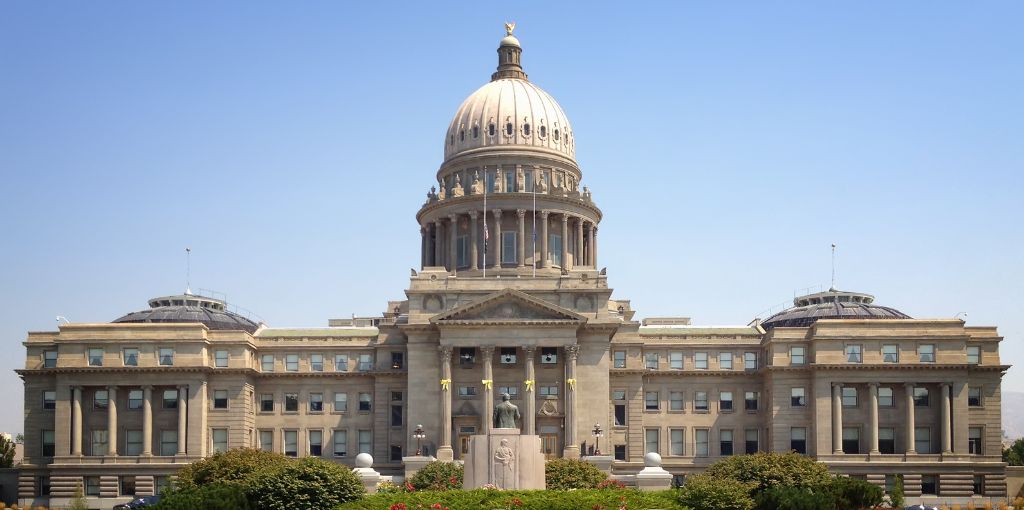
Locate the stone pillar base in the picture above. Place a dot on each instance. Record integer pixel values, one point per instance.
(445, 454)
(571, 452)
(364, 470)
(414, 464)
(653, 477)
(602, 462)
(524, 469)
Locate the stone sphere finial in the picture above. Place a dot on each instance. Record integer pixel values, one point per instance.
(365, 460)
(652, 459)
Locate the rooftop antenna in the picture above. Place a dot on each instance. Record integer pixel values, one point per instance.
(188, 271)
(833, 288)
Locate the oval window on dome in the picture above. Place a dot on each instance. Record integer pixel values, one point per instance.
(490, 129)
(509, 129)
(462, 135)
(526, 129)
(476, 131)
(543, 131)
(556, 135)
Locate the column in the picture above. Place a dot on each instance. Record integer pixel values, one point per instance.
(593, 255)
(565, 241)
(577, 258)
(444, 450)
(497, 238)
(437, 244)
(911, 448)
(590, 244)
(147, 421)
(453, 254)
(947, 446)
(873, 417)
(530, 401)
(76, 420)
(543, 238)
(521, 213)
(423, 247)
(486, 421)
(182, 418)
(837, 418)
(112, 421)
(572, 449)
(473, 252)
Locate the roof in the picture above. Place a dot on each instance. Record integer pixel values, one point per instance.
(698, 330)
(833, 304)
(188, 308)
(336, 332)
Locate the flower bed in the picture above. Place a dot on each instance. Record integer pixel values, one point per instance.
(594, 499)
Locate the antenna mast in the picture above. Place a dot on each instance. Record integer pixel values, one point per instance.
(833, 267)
(188, 271)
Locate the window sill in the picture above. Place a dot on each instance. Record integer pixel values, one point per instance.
(726, 411)
(291, 412)
(652, 411)
(677, 411)
(701, 411)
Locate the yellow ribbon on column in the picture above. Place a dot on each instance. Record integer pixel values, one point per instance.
(488, 383)
(445, 384)
(572, 384)
(529, 384)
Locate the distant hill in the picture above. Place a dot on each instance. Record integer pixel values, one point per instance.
(1013, 414)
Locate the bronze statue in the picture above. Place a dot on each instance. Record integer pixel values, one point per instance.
(506, 413)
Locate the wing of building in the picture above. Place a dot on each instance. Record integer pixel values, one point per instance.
(510, 299)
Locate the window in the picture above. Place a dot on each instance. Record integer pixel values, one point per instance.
(170, 400)
(476, 131)
(508, 355)
(750, 400)
(316, 443)
(700, 401)
(267, 440)
(462, 251)
(395, 453)
(798, 439)
(528, 176)
(134, 399)
(95, 357)
(513, 391)
(396, 416)
(49, 400)
(508, 248)
(266, 402)
(926, 353)
(651, 441)
(130, 357)
(885, 397)
(750, 361)
(161, 483)
(651, 401)
(101, 399)
(43, 485)
(99, 442)
(974, 397)
(676, 440)
(725, 360)
(341, 362)
(973, 354)
(127, 485)
(920, 397)
(978, 485)
(725, 401)
(853, 354)
(490, 129)
(849, 396)
(923, 440)
(48, 443)
(700, 360)
(467, 356)
(220, 440)
(620, 359)
(396, 396)
(675, 360)
(548, 391)
(467, 391)
(291, 362)
(316, 402)
(365, 402)
(291, 443)
(168, 442)
(166, 356)
(929, 485)
(651, 361)
(620, 415)
(797, 355)
(620, 452)
(267, 363)
(750, 441)
(725, 442)
(291, 402)
(851, 440)
(526, 129)
(890, 353)
(365, 441)
(555, 249)
(220, 399)
(548, 355)
(316, 362)
(49, 359)
(887, 440)
(974, 440)
(340, 443)
(797, 397)
(92, 486)
(340, 402)
(220, 359)
(365, 362)
(510, 177)
(701, 437)
(675, 401)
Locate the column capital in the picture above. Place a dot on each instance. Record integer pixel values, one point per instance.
(446, 353)
(438, 222)
(474, 214)
(529, 349)
(837, 385)
(496, 213)
(946, 386)
(487, 350)
(521, 213)
(182, 386)
(565, 218)
(909, 386)
(111, 387)
(148, 387)
(573, 351)
(452, 217)
(544, 213)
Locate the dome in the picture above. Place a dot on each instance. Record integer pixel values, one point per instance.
(833, 304)
(190, 308)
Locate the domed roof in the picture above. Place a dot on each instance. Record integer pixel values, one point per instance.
(510, 111)
(832, 304)
(191, 308)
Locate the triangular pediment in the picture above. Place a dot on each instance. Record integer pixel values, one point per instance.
(508, 306)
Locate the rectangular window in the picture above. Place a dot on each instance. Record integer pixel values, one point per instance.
(620, 452)
(127, 485)
(101, 399)
(675, 401)
(340, 443)
(555, 251)
(291, 402)
(467, 391)
(528, 176)
(316, 402)
(974, 397)
(316, 443)
(166, 356)
(266, 402)
(675, 360)
(170, 400)
(890, 353)
(887, 440)
(725, 442)
(849, 396)
(700, 360)
(365, 402)
(48, 443)
(267, 363)
(548, 355)
(926, 353)
(508, 248)
(618, 395)
(220, 399)
(291, 443)
(620, 415)
(365, 362)
(798, 439)
(797, 355)
(651, 361)
(92, 486)
(701, 438)
(462, 251)
(49, 359)
(316, 362)
(750, 400)
(978, 485)
(548, 391)
(134, 399)
(929, 485)
(467, 356)
(885, 397)
(168, 442)
(95, 357)
(99, 442)
(365, 441)
(923, 440)
(797, 397)
(340, 402)
(291, 362)
(974, 440)
(973, 354)
(267, 440)
(725, 360)
(652, 440)
(43, 485)
(851, 440)
(513, 391)
(677, 442)
(341, 362)
(920, 397)
(508, 356)
(220, 440)
(725, 401)
(620, 359)
(395, 453)
(510, 178)
(397, 416)
(750, 441)
(130, 357)
(49, 400)
(750, 361)
(651, 401)
(700, 401)
(853, 354)
(220, 359)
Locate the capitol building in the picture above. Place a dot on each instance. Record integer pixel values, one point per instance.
(510, 297)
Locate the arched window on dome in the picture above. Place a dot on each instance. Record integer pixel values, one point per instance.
(462, 135)
(451, 139)
(526, 129)
(476, 132)
(509, 129)
(557, 138)
(543, 131)
(490, 129)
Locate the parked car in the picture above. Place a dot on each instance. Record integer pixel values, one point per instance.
(143, 502)
(921, 507)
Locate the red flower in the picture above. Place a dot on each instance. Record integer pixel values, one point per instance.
(398, 506)
(409, 487)
(517, 502)
(436, 506)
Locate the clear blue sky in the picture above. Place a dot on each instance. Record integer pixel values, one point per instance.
(290, 145)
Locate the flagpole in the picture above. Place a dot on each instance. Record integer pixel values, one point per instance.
(534, 230)
(485, 222)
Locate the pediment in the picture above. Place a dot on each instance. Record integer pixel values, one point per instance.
(508, 306)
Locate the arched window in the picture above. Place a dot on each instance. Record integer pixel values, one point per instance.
(451, 139)
(526, 129)
(476, 131)
(556, 135)
(509, 129)
(543, 131)
(490, 129)
(462, 135)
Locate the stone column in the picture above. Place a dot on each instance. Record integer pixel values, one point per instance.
(454, 248)
(112, 420)
(837, 418)
(486, 421)
(147, 421)
(530, 402)
(76, 420)
(572, 449)
(497, 238)
(590, 244)
(521, 213)
(438, 258)
(947, 444)
(423, 247)
(444, 450)
(873, 417)
(473, 239)
(594, 254)
(182, 418)
(565, 241)
(911, 448)
(543, 238)
(577, 258)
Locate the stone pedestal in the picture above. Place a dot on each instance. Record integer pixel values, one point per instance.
(364, 470)
(602, 462)
(414, 464)
(653, 477)
(504, 459)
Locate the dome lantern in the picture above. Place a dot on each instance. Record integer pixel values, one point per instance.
(509, 55)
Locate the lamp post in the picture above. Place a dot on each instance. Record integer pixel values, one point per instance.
(597, 438)
(419, 435)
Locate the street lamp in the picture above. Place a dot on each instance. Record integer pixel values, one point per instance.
(419, 435)
(597, 438)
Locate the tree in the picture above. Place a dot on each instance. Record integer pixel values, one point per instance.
(309, 484)
(565, 474)
(712, 493)
(239, 466)
(79, 502)
(767, 470)
(7, 448)
(1014, 455)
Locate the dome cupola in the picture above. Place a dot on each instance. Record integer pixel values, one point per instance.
(831, 304)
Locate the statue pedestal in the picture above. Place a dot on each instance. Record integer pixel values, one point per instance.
(505, 459)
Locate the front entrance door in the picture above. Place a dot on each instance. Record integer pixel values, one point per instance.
(550, 443)
(464, 435)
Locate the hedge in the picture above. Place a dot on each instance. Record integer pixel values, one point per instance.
(592, 499)
(568, 474)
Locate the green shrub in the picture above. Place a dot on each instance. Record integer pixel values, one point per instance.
(206, 497)
(706, 492)
(309, 484)
(233, 467)
(795, 498)
(852, 494)
(527, 500)
(896, 499)
(438, 476)
(766, 470)
(565, 474)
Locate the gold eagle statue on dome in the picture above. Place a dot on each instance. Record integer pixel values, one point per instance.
(509, 27)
